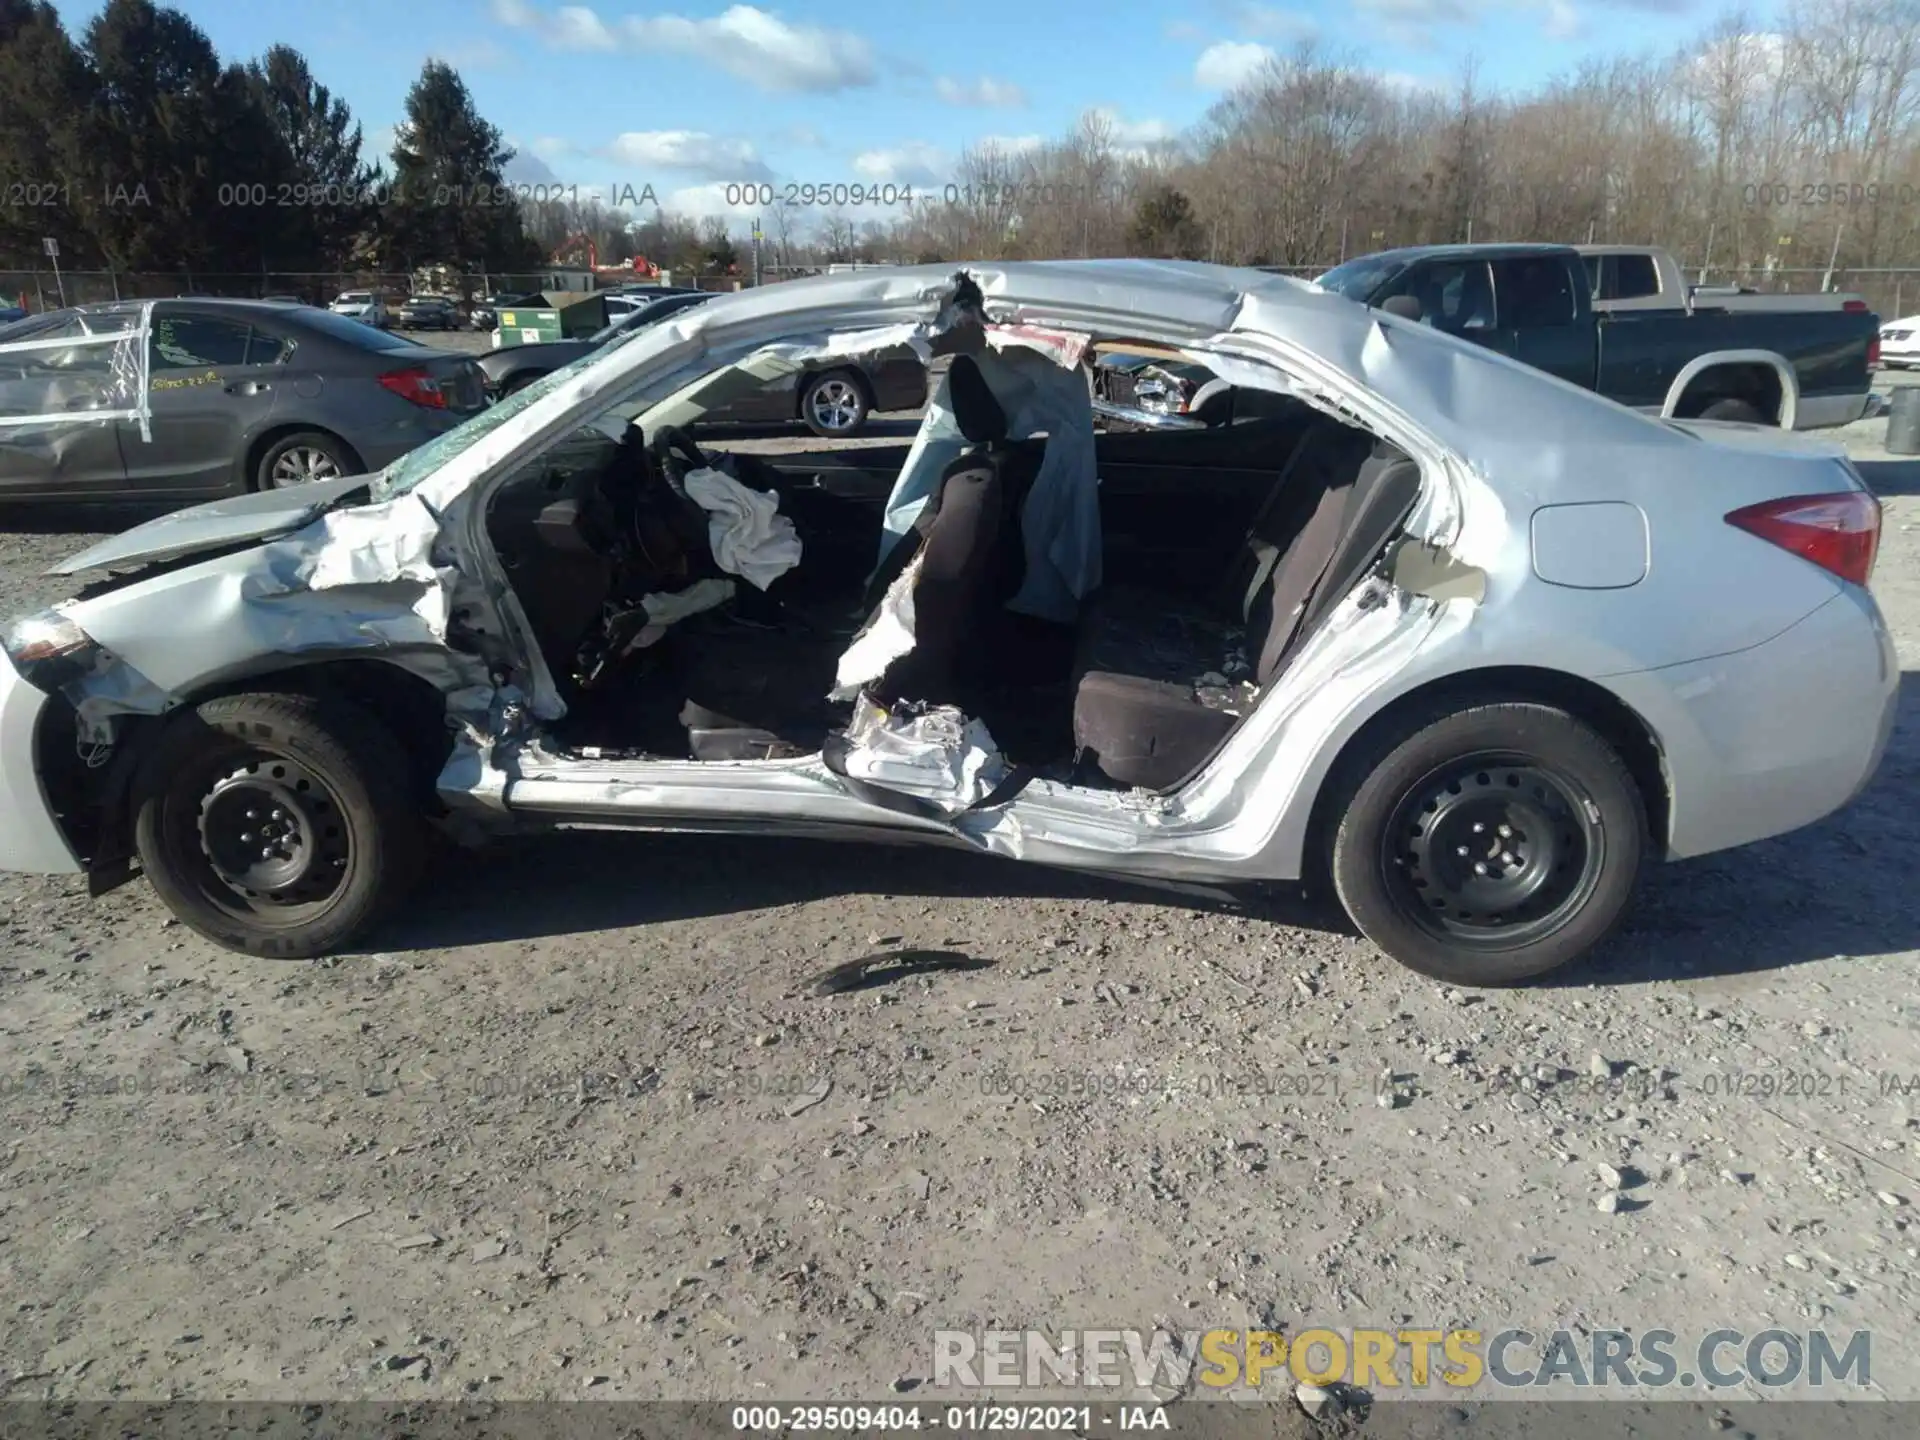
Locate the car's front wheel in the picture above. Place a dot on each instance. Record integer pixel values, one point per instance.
(278, 825)
(1490, 844)
(834, 404)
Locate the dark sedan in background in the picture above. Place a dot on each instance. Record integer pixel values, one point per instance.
(833, 397)
(243, 395)
(428, 312)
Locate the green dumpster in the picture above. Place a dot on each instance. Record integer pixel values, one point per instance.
(529, 327)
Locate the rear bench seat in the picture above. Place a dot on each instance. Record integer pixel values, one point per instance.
(1159, 681)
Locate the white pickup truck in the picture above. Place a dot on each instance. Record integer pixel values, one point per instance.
(1628, 278)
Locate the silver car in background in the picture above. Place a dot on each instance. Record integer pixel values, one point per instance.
(1467, 641)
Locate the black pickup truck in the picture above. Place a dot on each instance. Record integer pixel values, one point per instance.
(1802, 369)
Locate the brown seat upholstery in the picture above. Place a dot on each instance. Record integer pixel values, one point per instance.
(1162, 682)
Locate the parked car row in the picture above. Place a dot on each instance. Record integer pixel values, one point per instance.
(831, 398)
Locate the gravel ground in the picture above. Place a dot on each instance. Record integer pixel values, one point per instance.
(581, 1127)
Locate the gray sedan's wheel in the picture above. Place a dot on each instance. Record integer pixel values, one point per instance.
(301, 458)
(279, 825)
(1487, 845)
(834, 404)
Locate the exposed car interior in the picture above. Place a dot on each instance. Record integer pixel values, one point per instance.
(1223, 541)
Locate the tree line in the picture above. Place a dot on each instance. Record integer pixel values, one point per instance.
(136, 149)
(1751, 149)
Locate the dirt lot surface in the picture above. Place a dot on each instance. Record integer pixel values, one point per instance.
(580, 1127)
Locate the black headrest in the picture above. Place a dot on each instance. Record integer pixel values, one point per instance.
(979, 415)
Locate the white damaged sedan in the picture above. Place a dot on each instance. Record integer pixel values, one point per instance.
(1388, 609)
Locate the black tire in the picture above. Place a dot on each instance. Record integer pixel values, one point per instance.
(513, 384)
(303, 456)
(835, 404)
(1744, 411)
(1463, 904)
(348, 843)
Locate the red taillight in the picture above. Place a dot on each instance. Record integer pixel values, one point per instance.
(416, 386)
(1839, 533)
(1873, 352)
(1854, 307)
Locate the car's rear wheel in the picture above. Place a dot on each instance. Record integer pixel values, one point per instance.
(301, 458)
(278, 825)
(1744, 411)
(834, 404)
(1487, 845)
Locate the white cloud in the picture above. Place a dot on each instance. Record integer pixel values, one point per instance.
(701, 201)
(748, 43)
(1132, 132)
(1564, 22)
(476, 54)
(986, 92)
(804, 135)
(1010, 144)
(527, 168)
(1229, 63)
(1753, 61)
(551, 147)
(762, 49)
(914, 163)
(722, 157)
(575, 27)
(1409, 84)
(1271, 23)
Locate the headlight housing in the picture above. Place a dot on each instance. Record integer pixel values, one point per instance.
(48, 649)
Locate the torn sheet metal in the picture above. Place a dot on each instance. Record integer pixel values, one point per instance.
(883, 640)
(747, 533)
(936, 754)
(1061, 519)
(111, 688)
(92, 378)
(1065, 348)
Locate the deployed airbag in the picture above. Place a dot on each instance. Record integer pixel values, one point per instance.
(748, 534)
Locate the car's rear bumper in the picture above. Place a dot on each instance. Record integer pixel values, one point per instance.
(1818, 412)
(380, 444)
(1769, 739)
(30, 836)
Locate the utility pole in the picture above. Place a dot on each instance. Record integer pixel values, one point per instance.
(52, 247)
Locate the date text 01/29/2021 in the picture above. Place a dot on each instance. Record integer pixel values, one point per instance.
(959, 1419)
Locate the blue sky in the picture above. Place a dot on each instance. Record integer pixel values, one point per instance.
(686, 96)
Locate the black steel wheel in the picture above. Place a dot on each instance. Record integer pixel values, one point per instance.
(279, 825)
(1492, 852)
(1488, 844)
